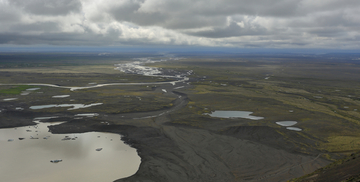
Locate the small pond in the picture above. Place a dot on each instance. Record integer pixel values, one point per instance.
(294, 128)
(60, 96)
(289, 125)
(32, 89)
(234, 114)
(73, 106)
(286, 123)
(88, 114)
(9, 99)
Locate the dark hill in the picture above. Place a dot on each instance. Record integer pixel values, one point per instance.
(344, 170)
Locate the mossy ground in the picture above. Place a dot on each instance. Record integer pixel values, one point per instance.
(14, 90)
(326, 106)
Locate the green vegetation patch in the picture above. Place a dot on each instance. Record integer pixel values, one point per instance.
(15, 90)
(325, 106)
(342, 143)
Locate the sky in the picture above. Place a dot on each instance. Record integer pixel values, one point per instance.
(272, 24)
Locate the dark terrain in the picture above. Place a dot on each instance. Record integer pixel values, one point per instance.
(174, 138)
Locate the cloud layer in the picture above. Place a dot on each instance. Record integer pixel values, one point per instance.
(234, 23)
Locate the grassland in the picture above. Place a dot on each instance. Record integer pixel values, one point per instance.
(345, 170)
(14, 90)
(322, 95)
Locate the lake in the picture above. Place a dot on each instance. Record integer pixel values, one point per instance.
(29, 159)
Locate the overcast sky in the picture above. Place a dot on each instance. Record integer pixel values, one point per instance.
(329, 24)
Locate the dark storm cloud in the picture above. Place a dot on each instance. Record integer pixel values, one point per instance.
(328, 32)
(38, 26)
(8, 15)
(48, 7)
(244, 7)
(242, 23)
(232, 30)
(129, 12)
(336, 19)
(58, 39)
(195, 14)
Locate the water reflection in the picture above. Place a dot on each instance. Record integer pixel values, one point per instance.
(32, 89)
(8, 99)
(294, 128)
(286, 123)
(29, 159)
(73, 106)
(60, 96)
(235, 114)
(289, 125)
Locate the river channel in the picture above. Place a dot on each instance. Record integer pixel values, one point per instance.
(34, 154)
